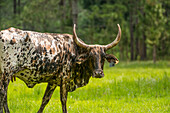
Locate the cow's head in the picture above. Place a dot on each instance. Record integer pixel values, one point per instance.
(96, 54)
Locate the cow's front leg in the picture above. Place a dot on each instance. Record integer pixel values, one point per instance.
(63, 96)
(1, 100)
(47, 96)
(5, 96)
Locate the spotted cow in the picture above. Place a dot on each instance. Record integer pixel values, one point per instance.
(61, 60)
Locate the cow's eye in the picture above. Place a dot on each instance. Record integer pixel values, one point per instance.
(82, 57)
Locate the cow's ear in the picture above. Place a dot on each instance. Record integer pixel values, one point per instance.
(112, 59)
(81, 58)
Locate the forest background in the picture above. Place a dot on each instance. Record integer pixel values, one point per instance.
(145, 23)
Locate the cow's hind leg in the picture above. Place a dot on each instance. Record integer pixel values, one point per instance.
(5, 96)
(47, 96)
(1, 97)
(3, 93)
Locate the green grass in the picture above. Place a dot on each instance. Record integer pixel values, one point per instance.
(129, 87)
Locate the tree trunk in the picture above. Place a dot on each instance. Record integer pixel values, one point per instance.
(144, 47)
(127, 51)
(63, 15)
(74, 11)
(15, 6)
(136, 36)
(19, 6)
(143, 50)
(137, 48)
(131, 37)
(154, 53)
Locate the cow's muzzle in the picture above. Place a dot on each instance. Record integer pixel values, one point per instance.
(98, 73)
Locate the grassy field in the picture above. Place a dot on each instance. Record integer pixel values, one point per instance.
(126, 88)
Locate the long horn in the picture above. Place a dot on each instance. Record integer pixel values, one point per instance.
(77, 40)
(116, 41)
